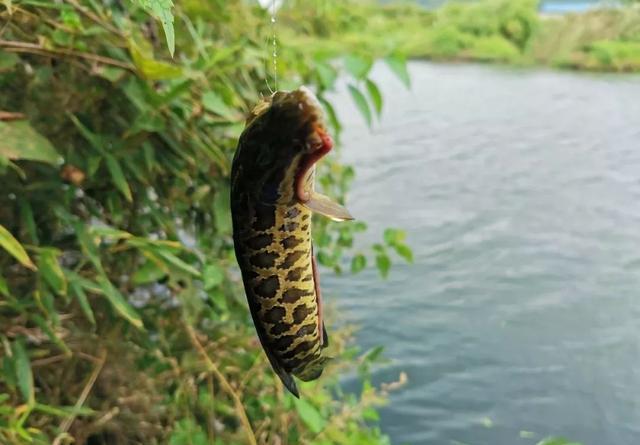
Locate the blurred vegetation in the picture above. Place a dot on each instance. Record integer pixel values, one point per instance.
(507, 31)
(122, 319)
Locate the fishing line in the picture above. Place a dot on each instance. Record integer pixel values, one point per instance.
(274, 50)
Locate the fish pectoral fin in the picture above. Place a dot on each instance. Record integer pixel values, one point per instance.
(325, 336)
(323, 205)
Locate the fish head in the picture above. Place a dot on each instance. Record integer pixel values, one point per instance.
(285, 136)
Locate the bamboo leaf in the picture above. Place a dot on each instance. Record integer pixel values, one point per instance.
(326, 74)
(213, 102)
(18, 140)
(51, 270)
(331, 114)
(357, 66)
(119, 302)
(148, 273)
(213, 276)
(375, 95)
(309, 415)
(83, 301)
(88, 246)
(118, 176)
(94, 139)
(4, 287)
(15, 249)
(23, 371)
(398, 65)
(149, 67)
(49, 332)
(26, 215)
(177, 262)
(162, 10)
(361, 103)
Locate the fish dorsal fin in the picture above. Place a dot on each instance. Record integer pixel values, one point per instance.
(325, 206)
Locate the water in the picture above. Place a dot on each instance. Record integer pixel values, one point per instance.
(547, 6)
(520, 192)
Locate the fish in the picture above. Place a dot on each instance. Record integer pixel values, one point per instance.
(272, 198)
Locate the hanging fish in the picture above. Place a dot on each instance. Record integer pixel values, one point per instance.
(272, 198)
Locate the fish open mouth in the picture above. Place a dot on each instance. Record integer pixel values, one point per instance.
(318, 144)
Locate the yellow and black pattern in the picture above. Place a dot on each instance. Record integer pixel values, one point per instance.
(272, 237)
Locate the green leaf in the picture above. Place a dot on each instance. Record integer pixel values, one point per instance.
(373, 354)
(51, 271)
(177, 262)
(118, 176)
(375, 95)
(371, 414)
(325, 258)
(119, 302)
(149, 67)
(383, 263)
(398, 65)
(557, 441)
(94, 139)
(88, 246)
(46, 328)
(111, 73)
(357, 66)
(18, 140)
(167, 26)
(109, 232)
(358, 263)
(26, 216)
(4, 287)
(8, 60)
(326, 74)
(83, 301)
(361, 103)
(394, 236)
(331, 114)
(150, 272)
(221, 214)
(213, 102)
(404, 251)
(13, 246)
(309, 415)
(23, 371)
(161, 9)
(213, 276)
(187, 432)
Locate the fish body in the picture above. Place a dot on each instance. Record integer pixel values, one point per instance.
(272, 199)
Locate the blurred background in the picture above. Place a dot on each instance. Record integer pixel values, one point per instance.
(485, 294)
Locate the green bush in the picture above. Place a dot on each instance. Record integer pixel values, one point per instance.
(122, 319)
(619, 55)
(493, 48)
(446, 41)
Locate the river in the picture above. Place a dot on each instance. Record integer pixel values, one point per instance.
(520, 193)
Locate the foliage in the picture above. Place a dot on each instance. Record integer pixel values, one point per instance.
(122, 316)
(507, 31)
